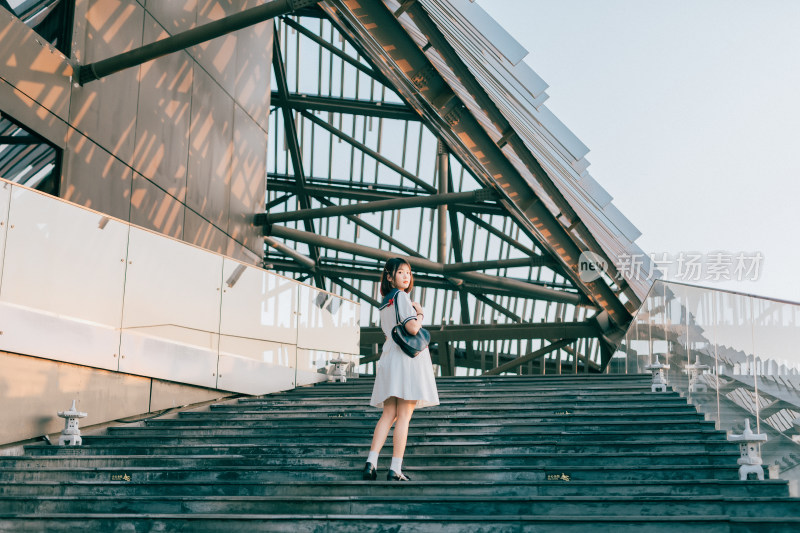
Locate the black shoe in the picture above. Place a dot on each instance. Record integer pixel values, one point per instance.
(394, 476)
(370, 472)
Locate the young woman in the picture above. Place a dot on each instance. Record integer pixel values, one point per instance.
(402, 382)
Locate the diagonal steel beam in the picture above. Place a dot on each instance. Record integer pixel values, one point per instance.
(369, 299)
(292, 142)
(521, 287)
(19, 139)
(369, 151)
(277, 201)
(421, 279)
(186, 39)
(372, 73)
(497, 332)
(541, 352)
(368, 192)
(375, 231)
(497, 263)
(373, 207)
(348, 106)
(291, 252)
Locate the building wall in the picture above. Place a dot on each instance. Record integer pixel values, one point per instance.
(33, 390)
(177, 145)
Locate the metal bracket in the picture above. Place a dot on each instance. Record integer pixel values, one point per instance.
(294, 5)
(403, 7)
(507, 134)
(421, 77)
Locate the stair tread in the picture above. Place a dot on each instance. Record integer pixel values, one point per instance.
(492, 441)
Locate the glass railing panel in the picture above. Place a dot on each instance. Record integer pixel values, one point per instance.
(80, 287)
(776, 345)
(63, 275)
(734, 356)
(171, 314)
(327, 327)
(313, 363)
(327, 322)
(258, 330)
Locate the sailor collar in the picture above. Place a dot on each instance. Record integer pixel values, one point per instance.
(387, 300)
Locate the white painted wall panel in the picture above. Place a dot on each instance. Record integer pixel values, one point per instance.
(251, 375)
(62, 260)
(172, 289)
(153, 353)
(5, 198)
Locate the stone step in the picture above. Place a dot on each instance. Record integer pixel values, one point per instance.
(511, 397)
(358, 437)
(540, 453)
(461, 409)
(363, 429)
(199, 468)
(341, 426)
(430, 439)
(364, 386)
(456, 454)
(410, 505)
(587, 407)
(486, 416)
(534, 415)
(339, 523)
(245, 447)
(477, 393)
(498, 380)
(618, 425)
(478, 389)
(762, 489)
(552, 432)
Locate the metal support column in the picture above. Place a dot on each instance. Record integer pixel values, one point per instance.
(442, 165)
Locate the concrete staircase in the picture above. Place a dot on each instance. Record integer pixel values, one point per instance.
(560, 453)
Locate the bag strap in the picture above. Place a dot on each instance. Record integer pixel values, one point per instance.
(396, 309)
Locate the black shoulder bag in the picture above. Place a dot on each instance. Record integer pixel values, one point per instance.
(411, 345)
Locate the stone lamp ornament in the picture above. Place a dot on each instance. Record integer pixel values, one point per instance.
(659, 380)
(339, 370)
(71, 434)
(750, 449)
(694, 371)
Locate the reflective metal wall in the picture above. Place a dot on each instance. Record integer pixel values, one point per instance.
(177, 145)
(735, 356)
(80, 287)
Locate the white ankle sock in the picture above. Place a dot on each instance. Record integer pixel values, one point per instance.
(397, 462)
(373, 458)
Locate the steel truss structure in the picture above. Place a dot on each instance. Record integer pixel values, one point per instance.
(401, 129)
(358, 175)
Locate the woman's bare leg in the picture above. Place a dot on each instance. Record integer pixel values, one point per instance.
(405, 408)
(384, 424)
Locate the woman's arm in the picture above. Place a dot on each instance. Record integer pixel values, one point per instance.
(413, 326)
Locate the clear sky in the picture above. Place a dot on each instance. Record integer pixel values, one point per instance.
(691, 111)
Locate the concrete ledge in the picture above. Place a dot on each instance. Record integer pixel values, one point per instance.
(33, 390)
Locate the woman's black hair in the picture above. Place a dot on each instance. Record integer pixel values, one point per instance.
(389, 270)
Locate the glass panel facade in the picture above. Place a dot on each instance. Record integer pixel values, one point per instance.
(734, 356)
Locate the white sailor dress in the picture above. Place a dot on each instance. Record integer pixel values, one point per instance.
(408, 378)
